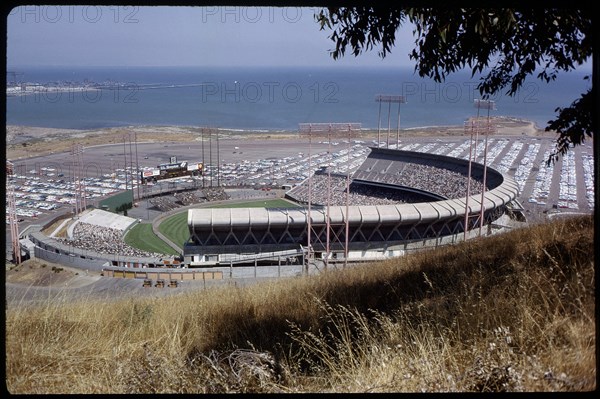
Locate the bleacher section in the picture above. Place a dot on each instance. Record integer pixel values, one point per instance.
(167, 203)
(400, 177)
(102, 231)
(101, 218)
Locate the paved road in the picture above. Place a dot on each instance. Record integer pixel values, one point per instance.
(107, 288)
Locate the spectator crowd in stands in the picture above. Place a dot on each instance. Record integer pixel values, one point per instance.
(189, 198)
(215, 194)
(166, 203)
(104, 240)
(441, 182)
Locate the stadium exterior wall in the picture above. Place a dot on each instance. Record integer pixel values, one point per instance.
(115, 201)
(57, 252)
(71, 259)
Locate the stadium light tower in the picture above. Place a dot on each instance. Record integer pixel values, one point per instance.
(80, 200)
(307, 129)
(12, 214)
(131, 165)
(386, 98)
(471, 127)
(489, 105)
(206, 134)
(125, 136)
(208, 131)
(210, 156)
(476, 126)
(137, 166)
(377, 98)
(203, 160)
(218, 162)
(347, 218)
(330, 128)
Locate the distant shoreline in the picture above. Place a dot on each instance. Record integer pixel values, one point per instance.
(30, 89)
(503, 120)
(31, 141)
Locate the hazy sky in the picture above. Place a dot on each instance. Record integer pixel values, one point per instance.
(174, 36)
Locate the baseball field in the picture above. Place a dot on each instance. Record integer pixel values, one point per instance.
(175, 227)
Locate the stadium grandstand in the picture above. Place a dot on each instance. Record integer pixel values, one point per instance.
(95, 238)
(398, 201)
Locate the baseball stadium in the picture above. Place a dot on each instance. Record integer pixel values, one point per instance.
(392, 202)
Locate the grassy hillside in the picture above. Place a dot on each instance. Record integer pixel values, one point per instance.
(514, 312)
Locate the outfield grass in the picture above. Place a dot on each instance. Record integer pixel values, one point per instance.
(141, 236)
(175, 227)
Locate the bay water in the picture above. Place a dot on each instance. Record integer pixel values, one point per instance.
(269, 98)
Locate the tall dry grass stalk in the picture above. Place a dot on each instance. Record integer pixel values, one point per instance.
(515, 312)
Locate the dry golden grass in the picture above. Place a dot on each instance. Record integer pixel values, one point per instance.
(515, 312)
